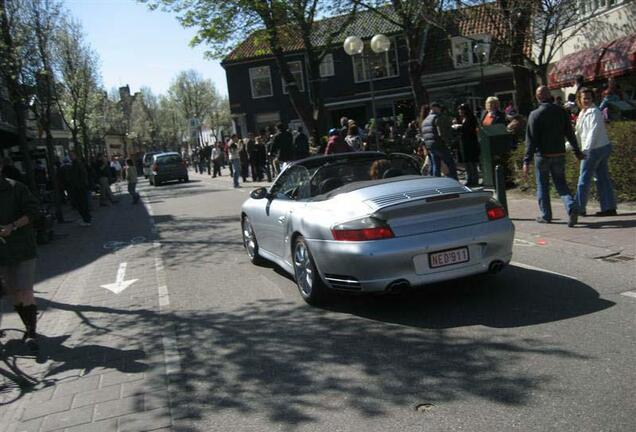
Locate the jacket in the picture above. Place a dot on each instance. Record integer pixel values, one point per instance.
(434, 133)
(548, 127)
(590, 129)
(337, 145)
(16, 200)
(499, 117)
(301, 144)
(283, 146)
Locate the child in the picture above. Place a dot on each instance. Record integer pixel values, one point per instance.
(131, 176)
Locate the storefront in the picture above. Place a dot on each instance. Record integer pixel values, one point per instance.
(615, 59)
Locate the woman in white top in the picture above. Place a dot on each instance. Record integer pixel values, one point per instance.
(594, 141)
(353, 139)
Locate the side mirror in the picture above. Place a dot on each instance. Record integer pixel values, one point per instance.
(259, 193)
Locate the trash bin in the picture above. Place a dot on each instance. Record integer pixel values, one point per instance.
(494, 142)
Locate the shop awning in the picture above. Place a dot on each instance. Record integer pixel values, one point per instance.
(619, 57)
(600, 62)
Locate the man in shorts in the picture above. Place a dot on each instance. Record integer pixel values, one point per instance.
(18, 210)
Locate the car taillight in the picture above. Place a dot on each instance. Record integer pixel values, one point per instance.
(155, 167)
(494, 210)
(362, 230)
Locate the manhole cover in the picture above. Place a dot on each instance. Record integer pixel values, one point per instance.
(424, 407)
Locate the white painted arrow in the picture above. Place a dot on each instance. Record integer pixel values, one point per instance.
(120, 284)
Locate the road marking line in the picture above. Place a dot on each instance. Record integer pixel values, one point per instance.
(529, 267)
(120, 283)
(629, 294)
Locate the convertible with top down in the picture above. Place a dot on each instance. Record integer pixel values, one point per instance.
(368, 222)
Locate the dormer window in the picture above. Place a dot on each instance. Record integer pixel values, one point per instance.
(470, 50)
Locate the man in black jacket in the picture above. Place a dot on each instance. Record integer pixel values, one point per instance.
(548, 128)
(78, 187)
(282, 147)
(18, 209)
(301, 144)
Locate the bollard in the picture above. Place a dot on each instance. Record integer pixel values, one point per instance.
(500, 187)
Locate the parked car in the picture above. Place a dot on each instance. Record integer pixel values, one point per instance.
(147, 162)
(166, 167)
(335, 222)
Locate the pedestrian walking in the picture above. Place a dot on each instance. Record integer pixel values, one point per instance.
(79, 188)
(282, 147)
(437, 140)
(548, 128)
(131, 178)
(301, 144)
(105, 177)
(18, 210)
(115, 166)
(217, 160)
(235, 161)
(595, 144)
(336, 144)
(252, 156)
(245, 162)
(353, 138)
(469, 148)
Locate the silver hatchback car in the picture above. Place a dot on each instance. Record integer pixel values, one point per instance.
(368, 222)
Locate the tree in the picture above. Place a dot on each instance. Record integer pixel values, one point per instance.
(414, 18)
(194, 97)
(15, 47)
(44, 19)
(277, 23)
(76, 64)
(143, 118)
(171, 122)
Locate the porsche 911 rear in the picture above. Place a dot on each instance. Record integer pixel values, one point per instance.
(410, 240)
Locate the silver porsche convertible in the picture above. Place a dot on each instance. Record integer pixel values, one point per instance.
(368, 222)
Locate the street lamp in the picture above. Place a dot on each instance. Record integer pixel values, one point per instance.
(353, 45)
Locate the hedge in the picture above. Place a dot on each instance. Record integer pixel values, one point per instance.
(622, 163)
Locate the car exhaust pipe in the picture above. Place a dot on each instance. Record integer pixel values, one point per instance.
(495, 267)
(398, 286)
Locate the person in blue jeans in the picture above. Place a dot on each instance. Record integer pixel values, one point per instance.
(548, 128)
(436, 134)
(592, 134)
(235, 160)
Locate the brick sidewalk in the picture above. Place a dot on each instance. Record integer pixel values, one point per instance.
(101, 362)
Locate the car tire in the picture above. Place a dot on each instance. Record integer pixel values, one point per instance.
(310, 285)
(186, 179)
(156, 183)
(249, 242)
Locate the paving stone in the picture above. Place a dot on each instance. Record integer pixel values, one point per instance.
(96, 396)
(68, 418)
(117, 377)
(79, 385)
(108, 425)
(42, 395)
(47, 408)
(119, 407)
(147, 421)
(156, 400)
(27, 426)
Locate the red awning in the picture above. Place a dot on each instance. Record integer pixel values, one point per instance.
(610, 59)
(619, 57)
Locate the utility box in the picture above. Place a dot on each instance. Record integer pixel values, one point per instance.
(494, 143)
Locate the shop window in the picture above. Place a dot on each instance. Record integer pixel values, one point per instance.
(470, 51)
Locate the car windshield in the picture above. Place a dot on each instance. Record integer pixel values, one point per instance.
(301, 182)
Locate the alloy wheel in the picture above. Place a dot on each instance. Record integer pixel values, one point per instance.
(303, 268)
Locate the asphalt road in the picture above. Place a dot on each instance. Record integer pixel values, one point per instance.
(548, 344)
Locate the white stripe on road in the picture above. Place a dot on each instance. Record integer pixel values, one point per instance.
(629, 294)
(529, 267)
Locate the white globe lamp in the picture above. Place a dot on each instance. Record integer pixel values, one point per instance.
(353, 45)
(380, 43)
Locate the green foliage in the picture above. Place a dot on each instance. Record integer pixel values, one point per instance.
(622, 163)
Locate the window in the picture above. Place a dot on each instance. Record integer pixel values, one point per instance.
(265, 120)
(261, 82)
(293, 184)
(326, 66)
(296, 69)
(383, 65)
(470, 51)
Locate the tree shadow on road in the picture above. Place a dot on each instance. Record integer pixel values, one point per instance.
(371, 356)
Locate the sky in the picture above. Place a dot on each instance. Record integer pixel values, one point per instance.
(140, 47)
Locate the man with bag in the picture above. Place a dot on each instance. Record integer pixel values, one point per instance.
(18, 210)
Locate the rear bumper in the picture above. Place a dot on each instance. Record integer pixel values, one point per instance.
(377, 264)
